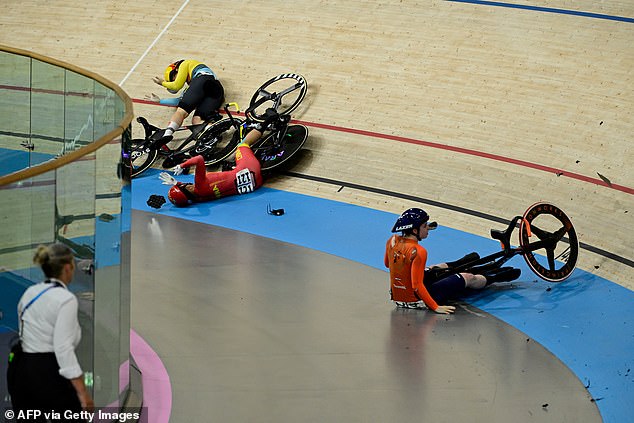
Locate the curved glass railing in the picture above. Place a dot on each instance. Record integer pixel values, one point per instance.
(62, 179)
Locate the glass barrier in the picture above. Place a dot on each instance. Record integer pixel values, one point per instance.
(62, 179)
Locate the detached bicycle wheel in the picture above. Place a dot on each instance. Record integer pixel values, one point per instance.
(283, 93)
(556, 237)
(273, 152)
(141, 157)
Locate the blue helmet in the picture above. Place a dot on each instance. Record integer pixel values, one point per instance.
(410, 219)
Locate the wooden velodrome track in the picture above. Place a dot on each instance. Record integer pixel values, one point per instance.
(480, 109)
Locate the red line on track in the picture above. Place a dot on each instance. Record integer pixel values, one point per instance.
(523, 163)
(497, 157)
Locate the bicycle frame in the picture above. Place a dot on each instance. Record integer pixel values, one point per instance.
(150, 129)
(547, 240)
(499, 257)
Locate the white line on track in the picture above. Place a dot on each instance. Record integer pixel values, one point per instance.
(145, 53)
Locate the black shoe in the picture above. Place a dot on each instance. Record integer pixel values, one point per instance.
(160, 136)
(504, 274)
(464, 260)
(482, 269)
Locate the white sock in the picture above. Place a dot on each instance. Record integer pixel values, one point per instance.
(171, 127)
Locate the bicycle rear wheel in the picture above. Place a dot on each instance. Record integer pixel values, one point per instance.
(554, 225)
(273, 152)
(219, 141)
(141, 157)
(283, 93)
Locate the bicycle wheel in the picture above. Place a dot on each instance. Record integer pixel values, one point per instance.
(283, 93)
(141, 156)
(561, 256)
(273, 152)
(219, 141)
(182, 152)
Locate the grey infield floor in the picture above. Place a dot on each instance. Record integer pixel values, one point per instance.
(256, 330)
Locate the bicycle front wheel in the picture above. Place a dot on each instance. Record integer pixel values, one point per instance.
(141, 156)
(273, 152)
(551, 226)
(283, 93)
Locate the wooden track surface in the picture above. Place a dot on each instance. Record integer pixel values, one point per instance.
(544, 98)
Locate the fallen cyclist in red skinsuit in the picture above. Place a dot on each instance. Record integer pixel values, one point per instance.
(244, 178)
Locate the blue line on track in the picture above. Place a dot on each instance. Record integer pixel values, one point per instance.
(547, 10)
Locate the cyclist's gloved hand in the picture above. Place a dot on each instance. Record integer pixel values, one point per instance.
(177, 170)
(270, 117)
(167, 179)
(152, 97)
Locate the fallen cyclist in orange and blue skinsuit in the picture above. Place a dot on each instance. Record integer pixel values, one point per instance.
(412, 285)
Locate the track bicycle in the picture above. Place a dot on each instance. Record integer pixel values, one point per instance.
(556, 237)
(144, 152)
(282, 93)
(217, 141)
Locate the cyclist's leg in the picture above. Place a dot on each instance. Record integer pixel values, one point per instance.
(474, 281)
(211, 99)
(441, 270)
(245, 159)
(449, 288)
(192, 97)
(175, 122)
(463, 260)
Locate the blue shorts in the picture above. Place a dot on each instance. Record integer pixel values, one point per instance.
(445, 289)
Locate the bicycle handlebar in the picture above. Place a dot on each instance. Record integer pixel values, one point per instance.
(275, 97)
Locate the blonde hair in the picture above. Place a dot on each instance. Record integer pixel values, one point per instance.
(52, 258)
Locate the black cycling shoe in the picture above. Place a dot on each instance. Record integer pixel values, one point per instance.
(464, 260)
(503, 274)
(160, 136)
(480, 270)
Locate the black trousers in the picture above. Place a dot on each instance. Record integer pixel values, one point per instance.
(34, 383)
